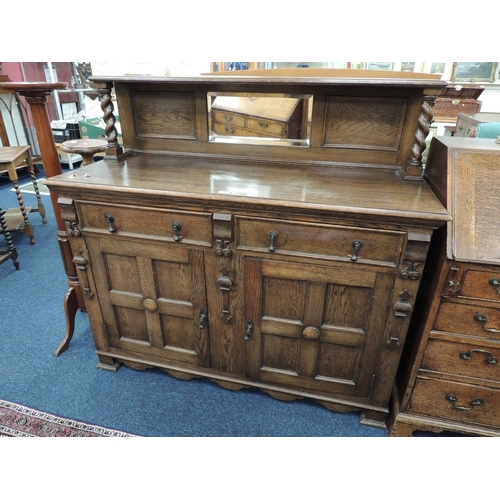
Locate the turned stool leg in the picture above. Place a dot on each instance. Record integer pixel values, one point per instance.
(11, 249)
(41, 208)
(27, 224)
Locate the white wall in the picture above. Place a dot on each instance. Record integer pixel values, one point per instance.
(490, 99)
(193, 68)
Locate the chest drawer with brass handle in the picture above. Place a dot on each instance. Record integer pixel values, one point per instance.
(456, 401)
(465, 359)
(468, 319)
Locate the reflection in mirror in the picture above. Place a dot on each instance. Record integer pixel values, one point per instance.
(273, 119)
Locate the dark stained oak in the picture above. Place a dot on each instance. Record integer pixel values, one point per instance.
(449, 376)
(289, 269)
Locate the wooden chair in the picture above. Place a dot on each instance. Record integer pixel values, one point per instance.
(11, 158)
(11, 252)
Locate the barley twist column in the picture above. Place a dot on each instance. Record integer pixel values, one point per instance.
(413, 169)
(114, 148)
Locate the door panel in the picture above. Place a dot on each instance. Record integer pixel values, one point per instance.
(315, 327)
(151, 298)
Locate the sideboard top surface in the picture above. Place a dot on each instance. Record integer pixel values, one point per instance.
(355, 191)
(317, 77)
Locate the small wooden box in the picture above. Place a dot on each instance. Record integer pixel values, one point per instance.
(456, 99)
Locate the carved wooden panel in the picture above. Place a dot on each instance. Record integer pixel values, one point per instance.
(315, 327)
(151, 298)
(164, 114)
(364, 123)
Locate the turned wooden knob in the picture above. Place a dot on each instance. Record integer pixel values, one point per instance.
(310, 333)
(150, 305)
(85, 147)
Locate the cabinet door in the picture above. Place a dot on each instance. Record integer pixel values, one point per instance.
(316, 328)
(152, 298)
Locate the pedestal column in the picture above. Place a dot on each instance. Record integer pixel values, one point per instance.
(36, 95)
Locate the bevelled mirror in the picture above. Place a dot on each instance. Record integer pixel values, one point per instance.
(250, 118)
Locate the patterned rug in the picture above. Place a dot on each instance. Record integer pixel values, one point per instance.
(21, 421)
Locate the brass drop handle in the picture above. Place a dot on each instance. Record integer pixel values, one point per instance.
(492, 360)
(481, 318)
(453, 286)
(264, 124)
(356, 246)
(110, 219)
(249, 330)
(228, 118)
(496, 283)
(453, 399)
(274, 235)
(176, 226)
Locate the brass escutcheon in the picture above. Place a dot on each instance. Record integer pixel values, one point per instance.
(150, 305)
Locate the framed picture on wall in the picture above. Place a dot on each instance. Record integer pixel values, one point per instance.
(438, 68)
(473, 71)
(381, 66)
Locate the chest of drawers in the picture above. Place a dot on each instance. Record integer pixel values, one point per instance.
(467, 123)
(257, 117)
(450, 376)
(292, 269)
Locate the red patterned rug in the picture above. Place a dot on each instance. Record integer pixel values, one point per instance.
(21, 421)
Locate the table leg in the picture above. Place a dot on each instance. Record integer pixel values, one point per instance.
(41, 208)
(70, 309)
(11, 249)
(27, 224)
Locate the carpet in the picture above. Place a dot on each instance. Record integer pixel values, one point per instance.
(28, 188)
(21, 421)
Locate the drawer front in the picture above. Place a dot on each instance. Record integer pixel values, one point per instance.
(267, 127)
(481, 285)
(455, 401)
(195, 227)
(322, 241)
(465, 319)
(228, 118)
(462, 359)
(228, 129)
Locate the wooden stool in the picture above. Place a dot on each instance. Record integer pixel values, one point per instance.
(10, 159)
(85, 147)
(11, 252)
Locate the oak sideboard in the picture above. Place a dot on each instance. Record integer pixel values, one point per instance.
(285, 264)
